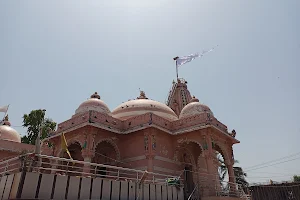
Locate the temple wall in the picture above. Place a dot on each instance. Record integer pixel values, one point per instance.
(131, 145)
(164, 144)
(14, 147)
(4, 155)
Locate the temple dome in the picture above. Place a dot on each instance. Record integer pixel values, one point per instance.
(8, 133)
(143, 105)
(194, 108)
(94, 103)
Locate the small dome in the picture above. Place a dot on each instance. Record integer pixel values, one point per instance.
(94, 103)
(8, 133)
(143, 105)
(194, 108)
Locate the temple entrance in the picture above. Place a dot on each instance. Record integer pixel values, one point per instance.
(75, 151)
(106, 154)
(188, 181)
(187, 154)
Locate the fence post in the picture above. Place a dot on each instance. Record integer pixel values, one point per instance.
(6, 166)
(153, 179)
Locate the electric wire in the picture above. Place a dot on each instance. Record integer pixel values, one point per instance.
(278, 159)
(272, 164)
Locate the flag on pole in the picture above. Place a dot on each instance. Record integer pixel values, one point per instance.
(185, 59)
(64, 145)
(4, 108)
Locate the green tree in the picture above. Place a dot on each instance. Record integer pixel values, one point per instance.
(33, 122)
(240, 178)
(223, 168)
(240, 175)
(296, 178)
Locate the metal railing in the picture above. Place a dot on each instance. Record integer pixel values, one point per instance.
(207, 186)
(63, 166)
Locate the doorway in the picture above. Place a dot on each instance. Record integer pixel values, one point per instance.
(188, 181)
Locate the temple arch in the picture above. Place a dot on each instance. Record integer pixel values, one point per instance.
(113, 144)
(70, 142)
(73, 141)
(75, 150)
(107, 153)
(187, 154)
(217, 146)
(223, 164)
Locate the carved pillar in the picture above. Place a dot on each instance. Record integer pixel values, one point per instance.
(150, 148)
(87, 156)
(208, 153)
(231, 173)
(150, 162)
(232, 183)
(88, 152)
(211, 165)
(229, 164)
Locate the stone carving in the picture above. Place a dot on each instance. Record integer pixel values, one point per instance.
(233, 133)
(153, 142)
(142, 95)
(114, 138)
(93, 146)
(187, 158)
(146, 142)
(164, 151)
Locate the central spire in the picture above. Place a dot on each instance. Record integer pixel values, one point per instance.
(179, 96)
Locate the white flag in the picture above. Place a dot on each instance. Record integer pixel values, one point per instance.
(3, 108)
(185, 59)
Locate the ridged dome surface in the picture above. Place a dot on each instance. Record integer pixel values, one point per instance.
(94, 103)
(141, 106)
(8, 133)
(194, 108)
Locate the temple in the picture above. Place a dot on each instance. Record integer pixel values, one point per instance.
(180, 138)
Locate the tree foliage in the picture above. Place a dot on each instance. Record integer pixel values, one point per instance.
(223, 168)
(240, 175)
(240, 178)
(33, 122)
(296, 178)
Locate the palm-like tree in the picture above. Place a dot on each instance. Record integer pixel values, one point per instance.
(240, 178)
(240, 175)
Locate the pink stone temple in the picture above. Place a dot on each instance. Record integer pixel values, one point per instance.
(180, 136)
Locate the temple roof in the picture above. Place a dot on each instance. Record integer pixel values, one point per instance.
(93, 103)
(142, 105)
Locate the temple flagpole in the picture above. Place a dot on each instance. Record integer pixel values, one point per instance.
(185, 59)
(176, 70)
(176, 66)
(5, 113)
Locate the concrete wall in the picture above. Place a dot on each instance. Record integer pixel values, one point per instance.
(49, 186)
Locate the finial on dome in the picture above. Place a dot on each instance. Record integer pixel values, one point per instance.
(95, 96)
(6, 121)
(194, 99)
(142, 95)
